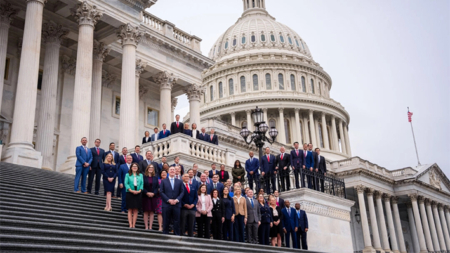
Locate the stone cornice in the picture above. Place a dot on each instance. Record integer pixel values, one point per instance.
(141, 4)
(86, 14)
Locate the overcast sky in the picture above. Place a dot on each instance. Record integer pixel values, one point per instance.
(382, 56)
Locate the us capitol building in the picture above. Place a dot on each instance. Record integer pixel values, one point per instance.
(110, 69)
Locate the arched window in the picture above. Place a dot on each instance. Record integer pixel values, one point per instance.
(211, 93)
(312, 86)
(290, 40)
(234, 42)
(287, 130)
(243, 39)
(281, 38)
(296, 42)
(253, 38)
(272, 123)
(255, 82)
(220, 90)
(244, 124)
(230, 87)
(292, 82)
(243, 84)
(281, 81)
(303, 84)
(272, 38)
(263, 37)
(226, 45)
(302, 45)
(320, 135)
(253, 3)
(268, 82)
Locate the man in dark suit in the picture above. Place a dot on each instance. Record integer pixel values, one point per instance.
(223, 174)
(309, 164)
(283, 163)
(268, 170)
(112, 147)
(321, 168)
(123, 156)
(164, 132)
(163, 161)
(177, 126)
(203, 135)
(155, 135)
(147, 161)
(217, 185)
(290, 224)
(121, 174)
(213, 170)
(252, 168)
(137, 158)
(297, 162)
(203, 181)
(188, 206)
(177, 163)
(95, 170)
(172, 193)
(212, 138)
(253, 217)
(192, 181)
(280, 201)
(302, 227)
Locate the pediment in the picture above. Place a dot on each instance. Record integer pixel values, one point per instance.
(434, 176)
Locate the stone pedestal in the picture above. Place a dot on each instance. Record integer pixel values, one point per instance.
(328, 219)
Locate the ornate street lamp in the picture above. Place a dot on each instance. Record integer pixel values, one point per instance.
(259, 135)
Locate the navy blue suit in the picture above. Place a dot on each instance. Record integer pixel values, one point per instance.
(188, 215)
(122, 172)
(227, 228)
(302, 225)
(203, 137)
(297, 162)
(309, 163)
(171, 212)
(122, 159)
(290, 223)
(219, 188)
(268, 167)
(137, 158)
(264, 228)
(95, 170)
(252, 165)
(116, 156)
(163, 135)
(214, 139)
(83, 156)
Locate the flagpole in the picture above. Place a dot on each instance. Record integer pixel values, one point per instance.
(414, 138)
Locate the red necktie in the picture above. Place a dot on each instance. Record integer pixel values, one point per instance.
(177, 124)
(164, 131)
(98, 151)
(85, 149)
(305, 153)
(268, 158)
(296, 152)
(187, 187)
(222, 173)
(211, 137)
(282, 156)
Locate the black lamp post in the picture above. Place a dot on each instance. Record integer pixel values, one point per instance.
(259, 135)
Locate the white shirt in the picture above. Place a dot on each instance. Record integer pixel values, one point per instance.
(318, 159)
(135, 180)
(194, 133)
(215, 200)
(275, 212)
(239, 198)
(203, 202)
(156, 137)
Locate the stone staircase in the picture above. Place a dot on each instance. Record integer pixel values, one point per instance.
(39, 212)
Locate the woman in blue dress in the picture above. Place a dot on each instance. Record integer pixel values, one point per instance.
(230, 211)
(109, 172)
(266, 221)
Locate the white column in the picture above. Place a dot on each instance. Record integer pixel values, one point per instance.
(382, 221)
(434, 235)
(166, 81)
(174, 105)
(87, 16)
(305, 130)
(297, 126)
(130, 37)
(425, 225)
(281, 130)
(140, 66)
(100, 52)
(341, 134)
(312, 128)
(444, 225)
(316, 125)
(398, 225)
(373, 220)
(6, 15)
(347, 141)
(326, 142)
(447, 215)
(249, 120)
(390, 223)
(420, 233)
(52, 35)
(364, 221)
(413, 229)
(194, 93)
(437, 222)
(21, 150)
(334, 133)
(233, 118)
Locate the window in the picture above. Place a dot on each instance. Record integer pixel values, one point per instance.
(234, 42)
(287, 130)
(242, 83)
(318, 89)
(152, 117)
(290, 40)
(312, 86)
(255, 82)
(303, 84)
(296, 42)
(253, 3)
(220, 90)
(293, 82)
(272, 38)
(226, 45)
(8, 61)
(302, 45)
(231, 87)
(243, 40)
(116, 106)
(253, 38)
(281, 81)
(211, 93)
(281, 38)
(320, 135)
(39, 84)
(263, 37)
(272, 123)
(268, 82)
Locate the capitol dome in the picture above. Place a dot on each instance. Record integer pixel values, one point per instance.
(261, 62)
(257, 30)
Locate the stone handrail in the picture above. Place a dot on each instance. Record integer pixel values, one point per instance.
(153, 22)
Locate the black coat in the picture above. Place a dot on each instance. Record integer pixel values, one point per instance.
(285, 162)
(174, 129)
(218, 208)
(322, 165)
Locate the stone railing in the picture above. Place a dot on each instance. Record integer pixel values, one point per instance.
(169, 30)
(358, 163)
(181, 144)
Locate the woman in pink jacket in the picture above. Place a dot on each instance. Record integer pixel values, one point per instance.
(203, 214)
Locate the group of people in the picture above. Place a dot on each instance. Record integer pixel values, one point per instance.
(180, 127)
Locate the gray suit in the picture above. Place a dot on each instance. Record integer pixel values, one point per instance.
(253, 217)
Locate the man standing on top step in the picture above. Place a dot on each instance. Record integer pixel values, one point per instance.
(95, 169)
(84, 160)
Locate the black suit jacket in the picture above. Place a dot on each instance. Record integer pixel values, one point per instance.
(97, 159)
(214, 140)
(174, 129)
(203, 138)
(225, 176)
(322, 165)
(145, 141)
(143, 165)
(285, 162)
(218, 208)
(122, 160)
(281, 203)
(315, 159)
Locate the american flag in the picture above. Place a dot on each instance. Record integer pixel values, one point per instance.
(410, 114)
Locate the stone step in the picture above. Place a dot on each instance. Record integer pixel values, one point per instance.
(8, 247)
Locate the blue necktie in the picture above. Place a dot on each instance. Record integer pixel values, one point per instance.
(171, 182)
(252, 203)
(299, 214)
(289, 211)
